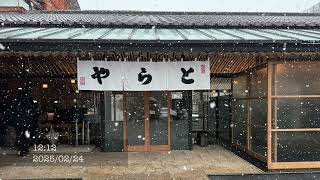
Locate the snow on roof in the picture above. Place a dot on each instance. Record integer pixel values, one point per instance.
(126, 19)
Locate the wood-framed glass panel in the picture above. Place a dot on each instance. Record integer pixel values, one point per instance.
(223, 104)
(117, 107)
(180, 120)
(296, 78)
(147, 121)
(158, 122)
(296, 146)
(258, 125)
(240, 108)
(293, 115)
(135, 125)
(249, 112)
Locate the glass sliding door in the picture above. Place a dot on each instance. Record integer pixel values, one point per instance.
(147, 121)
(134, 122)
(159, 118)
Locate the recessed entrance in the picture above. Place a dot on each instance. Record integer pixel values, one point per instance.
(147, 121)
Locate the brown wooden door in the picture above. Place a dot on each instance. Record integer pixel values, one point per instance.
(147, 121)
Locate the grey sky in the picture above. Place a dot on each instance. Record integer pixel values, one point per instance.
(200, 5)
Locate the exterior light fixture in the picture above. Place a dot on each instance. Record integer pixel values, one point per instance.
(56, 102)
(45, 86)
(77, 91)
(73, 81)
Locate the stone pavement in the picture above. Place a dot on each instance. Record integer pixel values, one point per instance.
(195, 164)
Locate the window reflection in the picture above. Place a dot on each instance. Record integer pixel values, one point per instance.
(117, 107)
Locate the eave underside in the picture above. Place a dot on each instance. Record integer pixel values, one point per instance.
(58, 64)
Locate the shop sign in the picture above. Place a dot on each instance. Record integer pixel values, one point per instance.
(143, 76)
(99, 75)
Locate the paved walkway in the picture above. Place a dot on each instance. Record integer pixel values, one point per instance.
(195, 164)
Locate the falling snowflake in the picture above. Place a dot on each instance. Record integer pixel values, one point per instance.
(185, 167)
(27, 133)
(2, 47)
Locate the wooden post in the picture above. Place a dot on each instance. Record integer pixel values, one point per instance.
(248, 121)
(169, 117)
(269, 120)
(146, 121)
(125, 148)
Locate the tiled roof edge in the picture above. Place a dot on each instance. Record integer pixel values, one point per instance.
(174, 13)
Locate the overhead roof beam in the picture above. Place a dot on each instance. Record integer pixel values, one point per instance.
(53, 33)
(106, 33)
(230, 34)
(254, 34)
(296, 33)
(310, 32)
(286, 36)
(181, 34)
(132, 33)
(12, 30)
(25, 33)
(206, 34)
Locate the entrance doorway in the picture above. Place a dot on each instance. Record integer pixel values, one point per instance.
(147, 121)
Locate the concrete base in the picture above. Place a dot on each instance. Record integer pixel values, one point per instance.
(195, 164)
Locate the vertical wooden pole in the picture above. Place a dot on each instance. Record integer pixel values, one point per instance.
(82, 133)
(169, 117)
(274, 144)
(125, 148)
(232, 109)
(147, 146)
(88, 132)
(230, 117)
(217, 116)
(77, 132)
(248, 124)
(269, 121)
(275, 134)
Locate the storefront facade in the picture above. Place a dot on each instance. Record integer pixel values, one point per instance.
(263, 96)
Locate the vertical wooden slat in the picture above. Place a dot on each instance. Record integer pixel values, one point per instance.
(274, 107)
(232, 112)
(169, 117)
(146, 121)
(269, 135)
(124, 104)
(248, 114)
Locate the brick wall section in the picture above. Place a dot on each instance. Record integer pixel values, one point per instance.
(12, 9)
(55, 4)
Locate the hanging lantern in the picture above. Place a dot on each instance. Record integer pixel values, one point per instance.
(45, 86)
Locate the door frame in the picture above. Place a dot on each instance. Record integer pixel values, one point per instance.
(147, 147)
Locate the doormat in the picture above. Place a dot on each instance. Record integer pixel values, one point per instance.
(268, 176)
